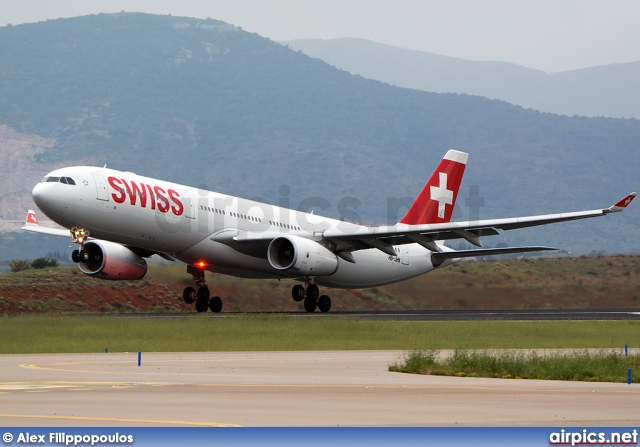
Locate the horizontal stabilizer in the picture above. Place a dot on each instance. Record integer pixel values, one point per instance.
(487, 252)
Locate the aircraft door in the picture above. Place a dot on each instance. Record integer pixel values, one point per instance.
(101, 187)
(404, 254)
(189, 211)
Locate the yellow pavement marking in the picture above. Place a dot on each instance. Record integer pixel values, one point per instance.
(61, 365)
(19, 386)
(106, 419)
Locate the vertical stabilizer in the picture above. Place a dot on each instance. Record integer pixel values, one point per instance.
(435, 202)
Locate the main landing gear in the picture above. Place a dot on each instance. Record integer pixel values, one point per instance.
(311, 296)
(201, 295)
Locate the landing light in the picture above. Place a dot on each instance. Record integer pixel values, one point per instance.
(79, 235)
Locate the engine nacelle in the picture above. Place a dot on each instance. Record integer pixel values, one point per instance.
(301, 257)
(108, 260)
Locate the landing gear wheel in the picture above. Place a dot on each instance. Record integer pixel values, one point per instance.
(310, 304)
(297, 292)
(75, 256)
(215, 304)
(189, 295)
(313, 292)
(324, 303)
(202, 300)
(201, 306)
(203, 294)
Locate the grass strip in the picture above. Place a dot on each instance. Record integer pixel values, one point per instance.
(602, 366)
(55, 334)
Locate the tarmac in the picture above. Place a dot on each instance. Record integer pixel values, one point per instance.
(284, 389)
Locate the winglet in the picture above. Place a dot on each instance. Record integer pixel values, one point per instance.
(622, 204)
(31, 224)
(31, 218)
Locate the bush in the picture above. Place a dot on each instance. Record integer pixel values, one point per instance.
(17, 265)
(43, 263)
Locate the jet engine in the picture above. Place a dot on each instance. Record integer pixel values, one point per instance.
(301, 257)
(108, 260)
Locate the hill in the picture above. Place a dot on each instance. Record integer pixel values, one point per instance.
(608, 90)
(551, 283)
(204, 103)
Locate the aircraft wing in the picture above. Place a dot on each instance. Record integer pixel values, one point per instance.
(31, 224)
(46, 230)
(384, 237)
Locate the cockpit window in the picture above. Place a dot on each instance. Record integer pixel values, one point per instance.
(65, 180)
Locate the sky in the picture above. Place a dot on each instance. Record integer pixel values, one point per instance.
(549, 35)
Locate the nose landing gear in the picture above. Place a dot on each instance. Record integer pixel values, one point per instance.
(79, 236)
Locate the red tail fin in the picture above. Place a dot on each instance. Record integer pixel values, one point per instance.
(438, 197)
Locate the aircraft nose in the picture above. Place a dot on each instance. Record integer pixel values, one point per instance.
(37, 193)
(41, 195)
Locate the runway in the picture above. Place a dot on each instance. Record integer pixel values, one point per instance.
(423, 315)
(328, 388)
(513, 315)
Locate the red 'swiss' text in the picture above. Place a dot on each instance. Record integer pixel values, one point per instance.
(146, 196)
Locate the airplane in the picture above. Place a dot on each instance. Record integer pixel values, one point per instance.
(119, 218)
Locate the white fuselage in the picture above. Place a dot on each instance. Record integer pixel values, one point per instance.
(193, 225)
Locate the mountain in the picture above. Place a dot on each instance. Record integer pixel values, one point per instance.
(608, 90)
(203, 103)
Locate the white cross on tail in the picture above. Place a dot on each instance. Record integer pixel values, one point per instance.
(441, 194)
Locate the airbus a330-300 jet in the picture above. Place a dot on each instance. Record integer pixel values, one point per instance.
(119, 218)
